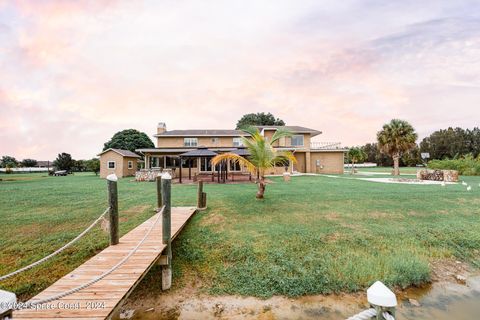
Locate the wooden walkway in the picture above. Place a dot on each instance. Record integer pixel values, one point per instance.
(100, 300)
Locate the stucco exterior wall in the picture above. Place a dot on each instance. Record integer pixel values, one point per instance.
(332, 162)
(176, 142)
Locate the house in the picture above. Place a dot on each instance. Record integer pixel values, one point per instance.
(195, 148)
(121, 162)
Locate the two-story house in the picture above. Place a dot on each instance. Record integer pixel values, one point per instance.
(173, 145)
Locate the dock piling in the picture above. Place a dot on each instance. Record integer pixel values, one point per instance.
(113, 212)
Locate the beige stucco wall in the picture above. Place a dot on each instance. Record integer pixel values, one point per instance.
(332, 162)
(121, 165)
(175, 142)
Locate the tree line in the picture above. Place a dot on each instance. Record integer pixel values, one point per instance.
(64, 161)
(450, 143)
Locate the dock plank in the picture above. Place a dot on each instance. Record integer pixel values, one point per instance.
(109, 292)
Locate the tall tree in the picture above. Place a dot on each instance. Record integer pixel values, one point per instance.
(396, 138)
(356, 155)
(64, 161)
(129, 139)
(28, 163)
(259, 119)
(93, 165)
(263, 156)
(9, 162)
(451, 143)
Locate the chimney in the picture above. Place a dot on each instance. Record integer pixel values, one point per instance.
(161, 128)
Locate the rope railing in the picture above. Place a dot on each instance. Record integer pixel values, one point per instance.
(369, 314)
(30, 303)
(53, 254)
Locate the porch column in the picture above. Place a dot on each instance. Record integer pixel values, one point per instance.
(146, 161)
(308, 167)
(181, 165)
(189, 169)
(164, 162)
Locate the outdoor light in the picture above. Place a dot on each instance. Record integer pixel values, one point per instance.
(379, 295)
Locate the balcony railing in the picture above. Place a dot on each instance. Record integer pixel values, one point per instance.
(318, 145)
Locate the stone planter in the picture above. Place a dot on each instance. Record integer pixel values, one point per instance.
(438, 175)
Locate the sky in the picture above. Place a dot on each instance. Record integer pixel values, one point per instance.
(72, 73)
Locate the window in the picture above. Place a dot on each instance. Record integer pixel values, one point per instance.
(215, 140)
(205, 164)
(190, 142)
(111, 164)
(237, 142)
(130, 164)
(297, 140)
(235, 166)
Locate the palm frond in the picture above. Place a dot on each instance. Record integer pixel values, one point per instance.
(235, 158)
(280, 133)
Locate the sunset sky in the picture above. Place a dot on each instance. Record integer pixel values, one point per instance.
(72, 73)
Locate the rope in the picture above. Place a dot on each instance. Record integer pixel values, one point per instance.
(29, 304)
(364, 315)
(370, 313)
(30, 266)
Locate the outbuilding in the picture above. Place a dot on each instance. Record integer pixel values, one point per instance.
(121, 162)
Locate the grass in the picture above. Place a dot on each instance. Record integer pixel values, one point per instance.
(403, 170)
(309, 236)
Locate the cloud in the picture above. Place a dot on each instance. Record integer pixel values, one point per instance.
(89, 69)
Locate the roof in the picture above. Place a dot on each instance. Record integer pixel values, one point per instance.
(202, 132)
(124, 153)
(241, 152)
(200, 152)
(292, 129)
(231, 133)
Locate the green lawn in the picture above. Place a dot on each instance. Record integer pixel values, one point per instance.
(403, 170)
(312, 235)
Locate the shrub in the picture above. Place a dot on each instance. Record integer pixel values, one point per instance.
(467, 165)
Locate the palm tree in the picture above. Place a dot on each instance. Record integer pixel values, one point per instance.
(356, 155)
(394, 139)
(262, 156)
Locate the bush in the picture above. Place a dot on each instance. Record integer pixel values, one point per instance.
(467, 165)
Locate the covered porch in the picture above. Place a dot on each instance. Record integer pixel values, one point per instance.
(192, 165)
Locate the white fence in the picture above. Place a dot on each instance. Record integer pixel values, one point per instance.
(25, 170)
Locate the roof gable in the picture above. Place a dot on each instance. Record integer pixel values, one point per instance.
(122, 152)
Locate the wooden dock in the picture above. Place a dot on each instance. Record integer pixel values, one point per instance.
(100, 300)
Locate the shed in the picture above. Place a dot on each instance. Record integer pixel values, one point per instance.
(121, 162)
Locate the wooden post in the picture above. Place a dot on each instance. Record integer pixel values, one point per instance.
(190, 169)
(113, 204)
(204, 200)
(167, 230)
(199, 194)
(159, 192)
(181, 165)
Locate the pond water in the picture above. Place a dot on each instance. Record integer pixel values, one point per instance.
(440, 301)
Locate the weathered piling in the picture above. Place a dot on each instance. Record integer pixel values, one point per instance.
(113, 212)
(167, 230)
(158, 180)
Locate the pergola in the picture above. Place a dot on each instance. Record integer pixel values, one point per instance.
(204, 152)
(200, 152)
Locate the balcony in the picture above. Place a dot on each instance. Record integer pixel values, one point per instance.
(320, 145)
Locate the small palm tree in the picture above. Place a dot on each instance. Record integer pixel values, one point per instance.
(356, 155)
(263, 155)
(394, 139)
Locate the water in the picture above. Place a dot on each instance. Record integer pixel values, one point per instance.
(440, 301)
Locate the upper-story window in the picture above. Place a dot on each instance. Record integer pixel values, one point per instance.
(297, 140)
(237, 142)
(190, 142)
(215, 140)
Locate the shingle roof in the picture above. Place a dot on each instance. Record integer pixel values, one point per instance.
(200, 152)
(125, 153)
(293, 129)
(233, 133)
(203, 132)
